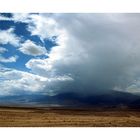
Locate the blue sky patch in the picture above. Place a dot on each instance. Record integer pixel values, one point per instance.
(21, 31)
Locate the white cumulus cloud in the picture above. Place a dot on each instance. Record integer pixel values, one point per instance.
(2, 50)
(30, 48)
(8, 36)
(9, 59)
(13, 81)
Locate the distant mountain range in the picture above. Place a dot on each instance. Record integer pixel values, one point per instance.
(104, 99)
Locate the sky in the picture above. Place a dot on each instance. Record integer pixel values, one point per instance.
(45, 53)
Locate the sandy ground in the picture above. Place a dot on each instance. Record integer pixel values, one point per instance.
(59, 117)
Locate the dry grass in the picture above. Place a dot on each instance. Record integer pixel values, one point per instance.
(57, 117)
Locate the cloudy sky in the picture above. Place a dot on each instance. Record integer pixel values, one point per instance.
(56, 53)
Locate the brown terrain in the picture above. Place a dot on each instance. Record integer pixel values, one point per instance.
(59, 117)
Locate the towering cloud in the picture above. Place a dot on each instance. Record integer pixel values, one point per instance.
(99, 52)
(93, 52)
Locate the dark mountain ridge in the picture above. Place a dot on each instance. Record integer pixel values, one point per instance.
(104, 99)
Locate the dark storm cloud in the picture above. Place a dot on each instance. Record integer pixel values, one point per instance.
(93, 52)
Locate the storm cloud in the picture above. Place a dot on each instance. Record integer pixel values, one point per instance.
(93, 52)
(100, 52)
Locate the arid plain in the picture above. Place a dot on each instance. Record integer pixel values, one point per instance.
(60, 117)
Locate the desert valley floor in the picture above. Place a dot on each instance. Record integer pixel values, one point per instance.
(59, 117)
